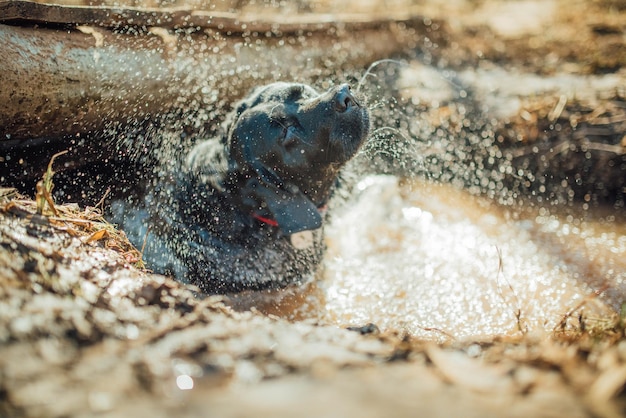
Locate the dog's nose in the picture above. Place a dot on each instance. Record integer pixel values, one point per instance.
(344, 99)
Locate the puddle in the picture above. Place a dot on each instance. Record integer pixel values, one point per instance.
(431, 259)
(436, 262)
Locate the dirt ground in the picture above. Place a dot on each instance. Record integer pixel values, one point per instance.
(86, 331)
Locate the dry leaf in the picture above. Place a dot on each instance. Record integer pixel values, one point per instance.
(459, 369)
(97, 236)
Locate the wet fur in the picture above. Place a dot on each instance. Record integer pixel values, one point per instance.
(278, 160)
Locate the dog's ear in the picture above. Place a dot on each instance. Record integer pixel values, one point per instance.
(291, 209)
(293, 212)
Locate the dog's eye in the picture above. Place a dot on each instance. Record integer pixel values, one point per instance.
(290, 137)
(281, 124)
(277, 122)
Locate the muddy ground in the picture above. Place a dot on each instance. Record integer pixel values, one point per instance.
(85, 330)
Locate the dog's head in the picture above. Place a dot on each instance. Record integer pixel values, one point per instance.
(291, 142)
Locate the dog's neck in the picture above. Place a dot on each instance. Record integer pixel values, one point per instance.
(282, 206)
(317, 191)
(248, 193)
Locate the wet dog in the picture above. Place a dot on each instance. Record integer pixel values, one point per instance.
(246, 210)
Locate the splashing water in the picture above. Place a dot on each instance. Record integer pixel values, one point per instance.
(375, 64)
(434, 261)
(433, 258)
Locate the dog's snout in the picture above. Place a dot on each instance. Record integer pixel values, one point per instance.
(344, 99)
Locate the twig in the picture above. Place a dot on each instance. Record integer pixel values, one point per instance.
(518, 311)
(558, 109)
(101, 201)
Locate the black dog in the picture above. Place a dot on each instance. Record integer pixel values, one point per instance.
(246, 210)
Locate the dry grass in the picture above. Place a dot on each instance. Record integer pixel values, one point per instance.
(87, 223)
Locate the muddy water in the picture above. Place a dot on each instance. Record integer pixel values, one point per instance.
(431, 259)
(438, 263)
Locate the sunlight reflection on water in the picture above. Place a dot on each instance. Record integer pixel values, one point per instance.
(432, 260)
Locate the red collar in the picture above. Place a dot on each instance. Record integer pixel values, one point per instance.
(265, 220)
(272, 222)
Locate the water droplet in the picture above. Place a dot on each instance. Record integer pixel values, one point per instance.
(184, 382)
